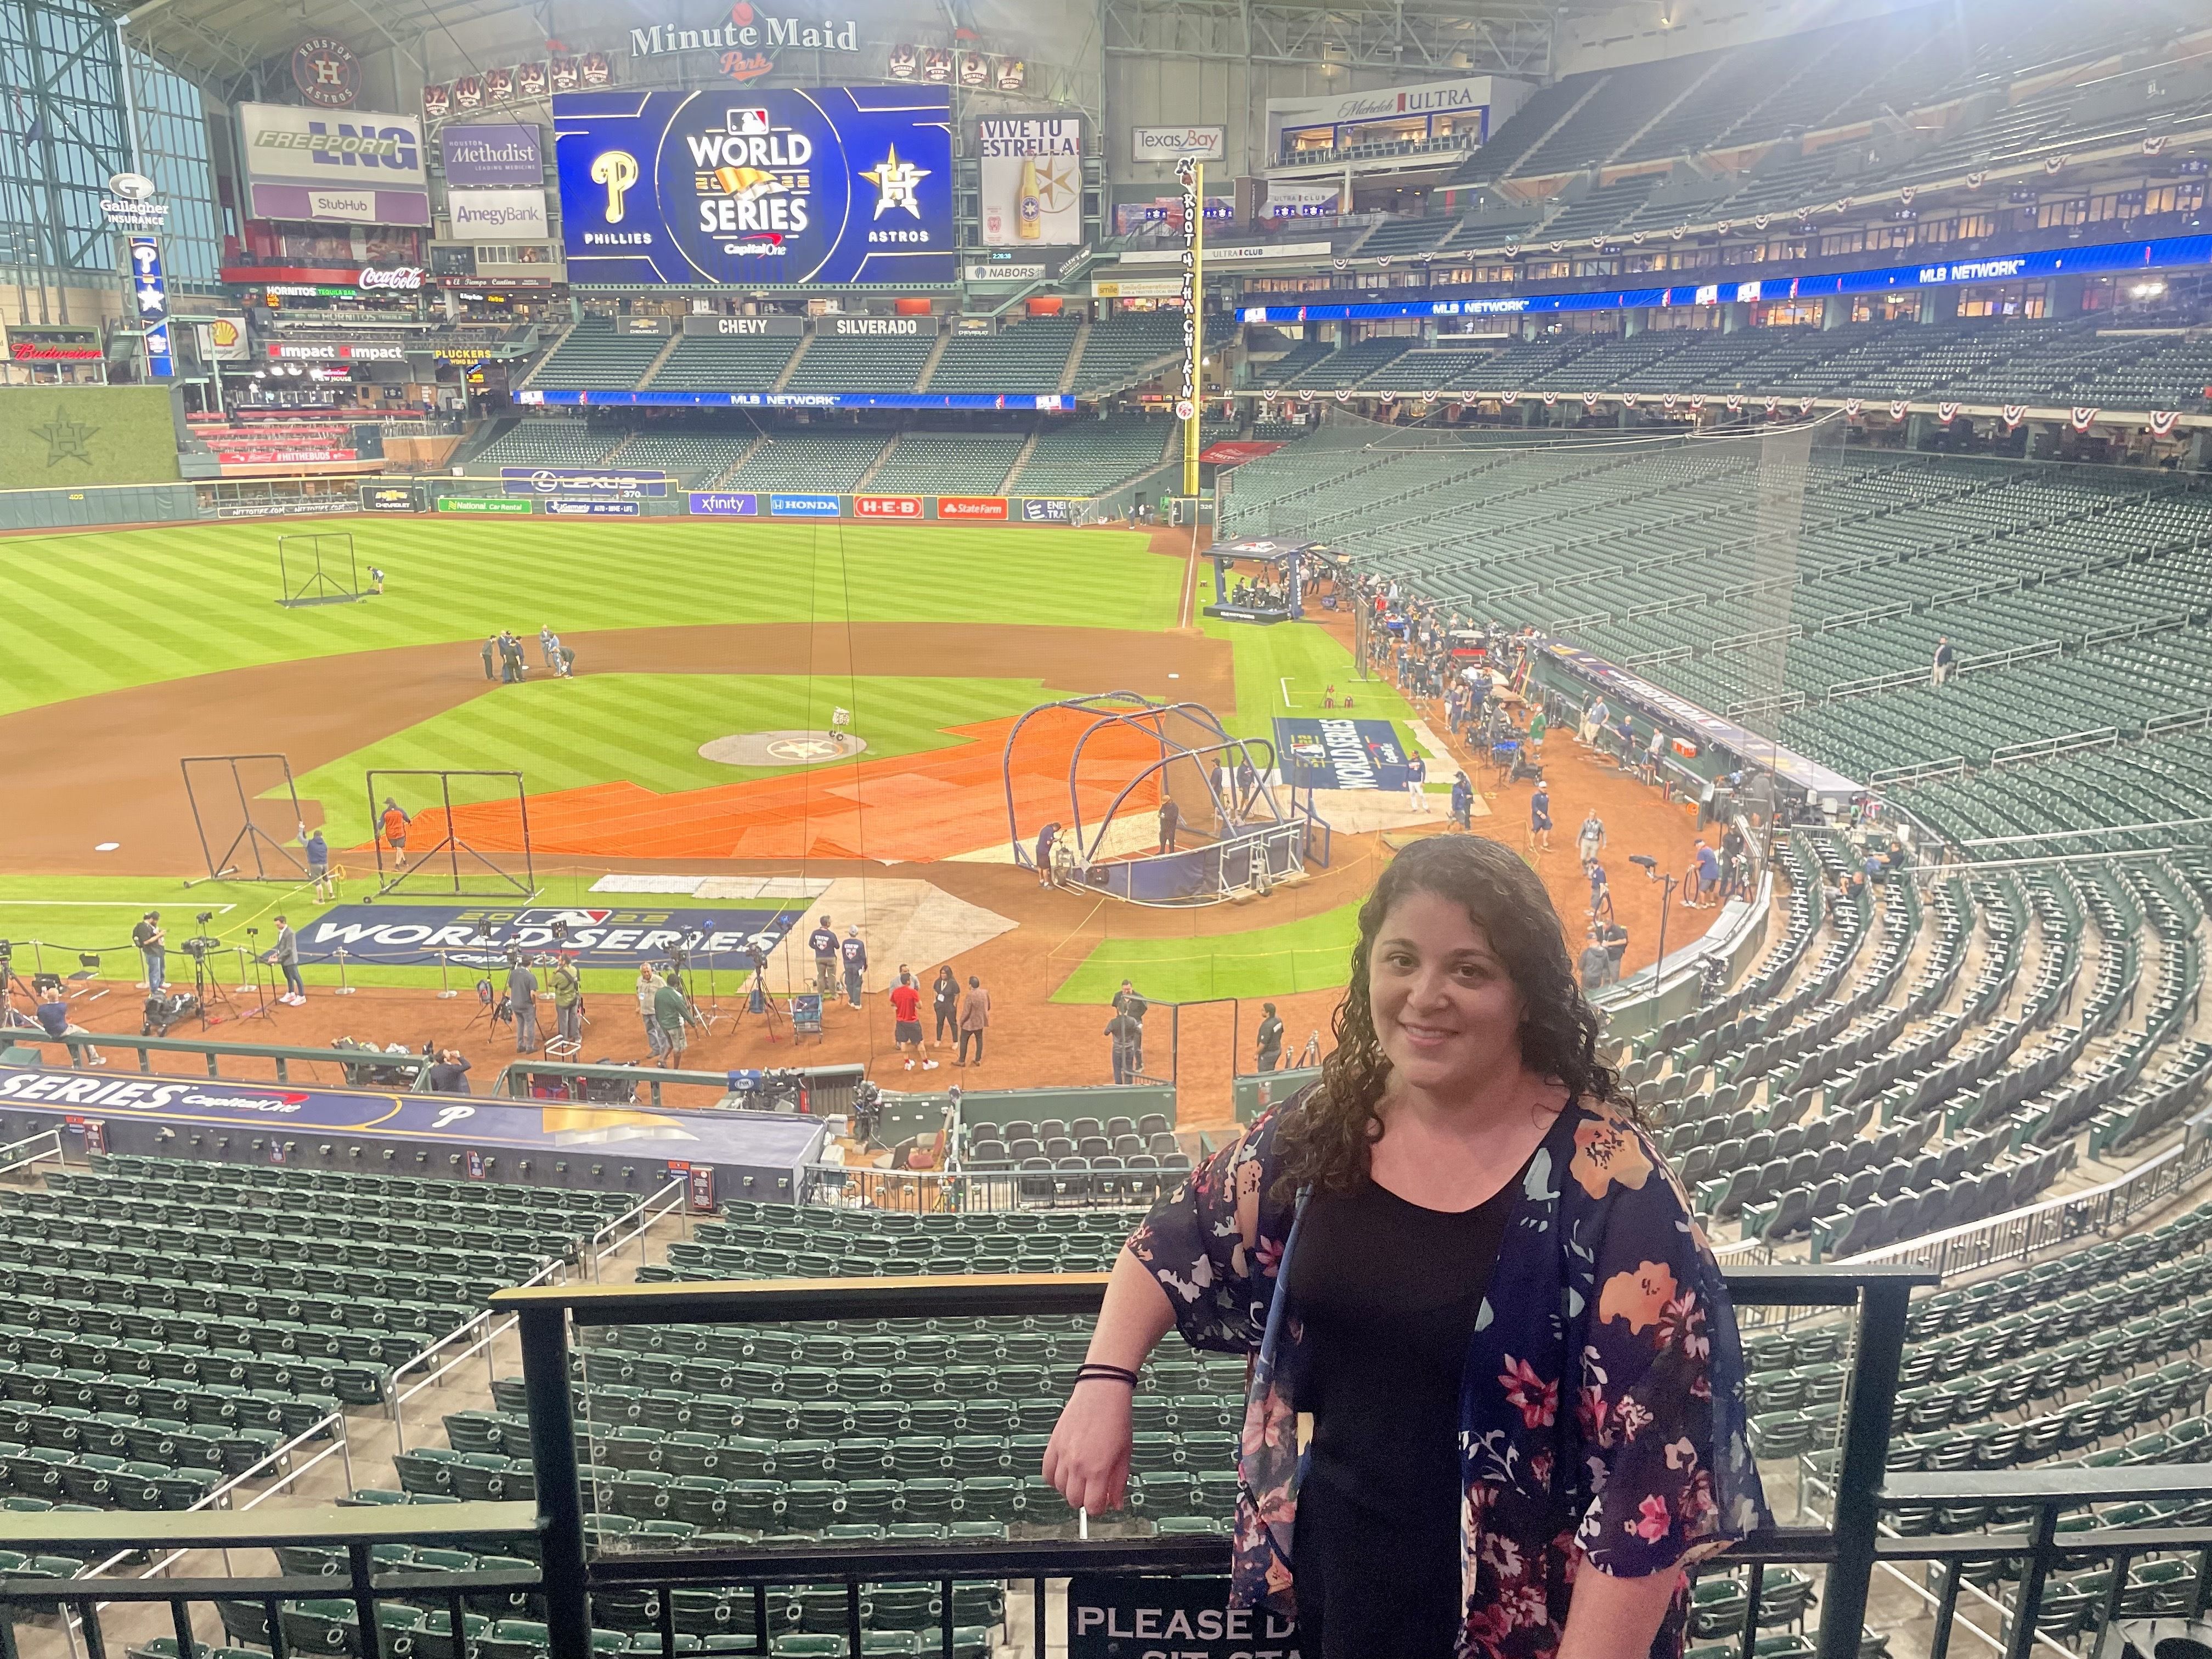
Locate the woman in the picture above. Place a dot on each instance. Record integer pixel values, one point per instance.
(1488, 1339)
(944, 999)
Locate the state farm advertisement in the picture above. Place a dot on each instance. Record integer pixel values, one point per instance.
(971, 507)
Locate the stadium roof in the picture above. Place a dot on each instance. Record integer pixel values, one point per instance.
(217, 43)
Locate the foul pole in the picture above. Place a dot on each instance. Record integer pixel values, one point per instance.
(1194, 322)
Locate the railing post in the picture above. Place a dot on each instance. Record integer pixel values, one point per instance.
(544, 1332)
(1861, 1464)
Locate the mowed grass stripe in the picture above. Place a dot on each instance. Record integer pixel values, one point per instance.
(133, 607)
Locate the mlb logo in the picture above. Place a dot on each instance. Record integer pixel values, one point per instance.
(745, 123)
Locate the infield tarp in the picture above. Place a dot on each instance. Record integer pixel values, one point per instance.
(477, 936)
(1351, 754)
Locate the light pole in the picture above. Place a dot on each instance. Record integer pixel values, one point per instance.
(1650, 866)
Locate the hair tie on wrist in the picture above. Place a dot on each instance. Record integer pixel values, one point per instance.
(1089, 1373)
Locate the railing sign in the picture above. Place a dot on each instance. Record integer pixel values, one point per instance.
(1115, 1615)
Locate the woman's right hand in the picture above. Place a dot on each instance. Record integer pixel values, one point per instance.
(1087, 1462)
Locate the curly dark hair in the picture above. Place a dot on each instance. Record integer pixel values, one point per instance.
(1326, 1144)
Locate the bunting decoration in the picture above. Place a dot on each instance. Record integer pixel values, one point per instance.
(1383, 259)
(1804, 406)
(1589, 400)
(1974, 180)
(1550, 399)
(1734, 402)
(1697, 405)
(2154, 143)
(2083, 419)
(1947, 413)
(1668, 402)
(1341, 262)
(1510, 398)
(2162, 419)
(1636, 237)
(1343, 394)
(1773, 406)
(1724, 227)
(1852, 406)
(1559, 247)
(1305, 394)
(1897, 410)
(1758, 222)
(1628, 400)
(1428, 394)
(2052, 164)
(1904, 196)
(1678, 232)
(2014, 415)
(1466, 400)
(1513, 250)
(1597, 241)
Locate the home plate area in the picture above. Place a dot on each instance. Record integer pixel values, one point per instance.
(783, 748)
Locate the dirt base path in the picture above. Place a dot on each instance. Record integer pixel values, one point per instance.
(105, 767)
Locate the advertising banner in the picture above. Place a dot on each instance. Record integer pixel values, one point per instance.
(887, 507)
(1345, 754)
(391, 498)
(1139, 288)
(151, 288)
(307, 351)
(365, 169)
(1031, 177)
(580, 507)
(581, 481)
(745, 185)
(482, 504)
(804, 507)
(1048, 511)
(746, 327)
(724, 504)
(493, 156)
(971, 507)
(519, 213)
(221, 340)
(1174, 143)
(1300, 201)
(1062, 402)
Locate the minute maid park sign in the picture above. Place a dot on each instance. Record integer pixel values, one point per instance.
(746, 40)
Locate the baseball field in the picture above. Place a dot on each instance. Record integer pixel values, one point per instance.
(773, 720)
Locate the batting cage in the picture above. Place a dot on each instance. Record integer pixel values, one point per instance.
(1088, 781)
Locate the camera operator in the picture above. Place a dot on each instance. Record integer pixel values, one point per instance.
(567, 1001)
(152, 943)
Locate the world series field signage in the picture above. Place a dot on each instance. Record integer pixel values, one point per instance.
(479, 936)
(1124, 1616)
(1351, 754)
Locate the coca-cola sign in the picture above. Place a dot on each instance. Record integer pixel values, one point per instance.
(397, 278)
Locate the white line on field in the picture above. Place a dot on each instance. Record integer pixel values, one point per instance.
(1284, 682)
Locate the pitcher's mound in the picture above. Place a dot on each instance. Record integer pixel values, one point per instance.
(783, 748)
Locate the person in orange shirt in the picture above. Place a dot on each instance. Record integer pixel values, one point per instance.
(394, 824)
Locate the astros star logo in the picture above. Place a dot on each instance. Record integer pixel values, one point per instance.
(895, 183)
(66, 440)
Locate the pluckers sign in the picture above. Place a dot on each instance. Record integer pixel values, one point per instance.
(745, 45)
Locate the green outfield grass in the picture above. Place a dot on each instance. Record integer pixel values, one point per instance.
(647, 728)
(1285, 669)
(124, 608)
(1311, 954)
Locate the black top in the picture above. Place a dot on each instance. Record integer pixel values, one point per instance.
(1389, 1292)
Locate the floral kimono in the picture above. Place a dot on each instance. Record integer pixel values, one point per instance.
(1601, 1411)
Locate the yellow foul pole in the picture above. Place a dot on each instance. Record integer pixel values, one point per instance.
(1194, 325)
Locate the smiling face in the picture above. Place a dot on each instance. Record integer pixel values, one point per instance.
(1446, 1011)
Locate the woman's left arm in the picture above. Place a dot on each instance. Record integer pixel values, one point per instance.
(1614, 1617)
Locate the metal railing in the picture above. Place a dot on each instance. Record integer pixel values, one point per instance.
(982, 1192)
(284, 1056)
(20, 1156)
(1850, 1542)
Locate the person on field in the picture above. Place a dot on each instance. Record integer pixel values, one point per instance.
(151, 941)
(1045, 838)
(822, 941)
(394, 825)
(490, 650)
(285, 953)
(1589, 839)
(648, 989)
(945, 1002)
(522, 1003)
(1124, 1033)
(1540, 816)
(1170, 818)
(906, 1022)
(549, 643)
(375, 580)
(319, 862)
(1462, 801)
(568, 1002)
(1417, 782)
(53, 1013)
(1127, 1001)
(854, 955)
(672, 1011)
(1270, 1053)
(975, 1017)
